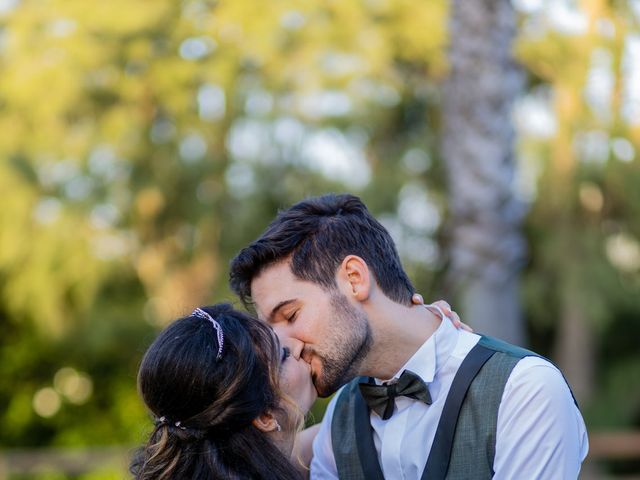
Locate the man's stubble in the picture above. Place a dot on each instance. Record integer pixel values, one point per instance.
(348, 344)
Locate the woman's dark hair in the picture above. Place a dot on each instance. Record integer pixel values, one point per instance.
(204, 405)
(318, 233)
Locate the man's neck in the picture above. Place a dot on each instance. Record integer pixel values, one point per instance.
(398, 332)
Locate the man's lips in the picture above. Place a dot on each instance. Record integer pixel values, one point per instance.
(309, 356)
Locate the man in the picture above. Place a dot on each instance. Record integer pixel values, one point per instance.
(439, 402)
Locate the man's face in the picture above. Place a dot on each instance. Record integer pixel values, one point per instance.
(330, 333)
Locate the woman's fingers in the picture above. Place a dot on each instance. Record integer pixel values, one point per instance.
(455, 318)
(417, 299)
(444, 306)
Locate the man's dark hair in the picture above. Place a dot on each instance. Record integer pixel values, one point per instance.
(317, 234)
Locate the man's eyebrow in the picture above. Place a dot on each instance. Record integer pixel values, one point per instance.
(278, 307)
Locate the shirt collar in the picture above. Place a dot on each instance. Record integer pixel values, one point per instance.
(433, 353)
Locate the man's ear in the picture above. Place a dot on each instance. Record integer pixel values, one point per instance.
(266, 422)
(355, 277)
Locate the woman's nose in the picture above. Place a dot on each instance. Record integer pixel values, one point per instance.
(295, 347)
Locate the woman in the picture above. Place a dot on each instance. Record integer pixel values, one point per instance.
(227, 400)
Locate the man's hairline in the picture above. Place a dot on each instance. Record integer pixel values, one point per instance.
(326, 288)
(286, 259)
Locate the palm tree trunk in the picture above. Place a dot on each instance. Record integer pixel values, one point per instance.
(486, 248)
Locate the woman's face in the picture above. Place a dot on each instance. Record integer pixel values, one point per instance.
(295, 380)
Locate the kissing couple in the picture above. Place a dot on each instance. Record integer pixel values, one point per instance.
(416, 397)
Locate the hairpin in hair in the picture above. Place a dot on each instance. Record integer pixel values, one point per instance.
(198, 312)
(163, 421)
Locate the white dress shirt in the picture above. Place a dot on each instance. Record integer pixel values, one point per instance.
(540, 431)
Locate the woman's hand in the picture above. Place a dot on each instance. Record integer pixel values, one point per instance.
(417, 299)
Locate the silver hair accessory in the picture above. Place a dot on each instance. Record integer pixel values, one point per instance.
(163, 421)
(198, 312)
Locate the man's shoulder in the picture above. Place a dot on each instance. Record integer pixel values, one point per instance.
(530, 366)
(523, 370)
(506, 348)
(537, 370)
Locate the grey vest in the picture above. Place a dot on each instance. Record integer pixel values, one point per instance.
(464, 444)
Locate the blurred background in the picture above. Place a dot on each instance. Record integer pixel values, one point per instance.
(142, 143)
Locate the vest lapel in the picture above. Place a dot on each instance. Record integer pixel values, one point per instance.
(364, 440)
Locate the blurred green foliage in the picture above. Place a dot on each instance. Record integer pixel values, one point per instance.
(144, 143)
